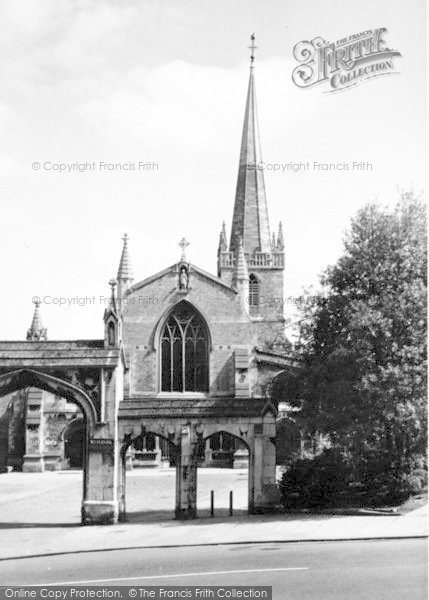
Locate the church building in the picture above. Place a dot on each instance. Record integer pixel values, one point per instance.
(192, 372)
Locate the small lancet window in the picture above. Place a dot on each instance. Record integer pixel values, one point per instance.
(253, 290)
(111, 334)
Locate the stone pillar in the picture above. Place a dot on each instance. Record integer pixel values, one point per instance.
(101, 498)
(122, 468)
(266, 496)
(101, 504)
(34, 433)
(129, 459)
(186, 475)
(16, 430)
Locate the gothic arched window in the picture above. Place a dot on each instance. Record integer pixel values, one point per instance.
(184, 351)
(253, 290)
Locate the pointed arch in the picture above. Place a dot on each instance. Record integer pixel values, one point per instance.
(183, 344)
(156, 333)
(19, 379)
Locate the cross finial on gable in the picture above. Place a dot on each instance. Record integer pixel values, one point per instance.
(183, 245)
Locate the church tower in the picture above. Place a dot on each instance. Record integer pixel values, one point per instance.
(264, 253)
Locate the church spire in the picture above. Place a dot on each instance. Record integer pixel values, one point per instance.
(125, 271)
(37, 332)
(250, 220)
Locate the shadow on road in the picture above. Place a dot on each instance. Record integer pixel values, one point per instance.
(167, 518)
(46, 525)
(159, 516)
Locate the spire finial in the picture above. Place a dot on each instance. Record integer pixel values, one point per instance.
(125, 272)
(113, 283)
(223, 244)
(252, 47)
(37, 332)
(183, 244)
(280, 239)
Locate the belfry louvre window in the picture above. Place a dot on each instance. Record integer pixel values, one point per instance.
(253, 290)
(184, 351)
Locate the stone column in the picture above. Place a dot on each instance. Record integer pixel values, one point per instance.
(129, 459)
(266, 496)
(186, 475)
(34, 461)
(122, 468)
(100, 504)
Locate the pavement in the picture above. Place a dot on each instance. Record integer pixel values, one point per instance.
(40, 516)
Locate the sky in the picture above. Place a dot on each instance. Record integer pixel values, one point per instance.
(164, 84)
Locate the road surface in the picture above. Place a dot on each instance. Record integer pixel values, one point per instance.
(369, 570)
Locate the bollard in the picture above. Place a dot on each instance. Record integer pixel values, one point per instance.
(212, 503)
(230, 504)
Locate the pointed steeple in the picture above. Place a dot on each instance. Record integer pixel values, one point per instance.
(125, 271)
(280, 240)
(250, 220)
(223, 244)
(37, 332)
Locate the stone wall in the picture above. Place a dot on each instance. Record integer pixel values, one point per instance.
(230, 326)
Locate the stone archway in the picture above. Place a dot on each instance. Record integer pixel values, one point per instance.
(90, 376)
(150, 443)
(227, 449)
(19, 379)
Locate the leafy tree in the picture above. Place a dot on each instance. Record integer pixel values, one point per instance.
(363, 342)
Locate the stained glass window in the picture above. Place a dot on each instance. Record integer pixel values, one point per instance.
(184, 351)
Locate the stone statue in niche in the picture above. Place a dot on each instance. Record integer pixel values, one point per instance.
(111, 334)
(183, 278)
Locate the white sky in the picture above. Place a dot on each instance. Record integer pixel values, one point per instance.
(140, 80)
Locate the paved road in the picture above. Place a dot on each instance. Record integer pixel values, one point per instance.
(370, 570)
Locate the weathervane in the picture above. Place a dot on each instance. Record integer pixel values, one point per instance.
(252, 48)
(183, 244)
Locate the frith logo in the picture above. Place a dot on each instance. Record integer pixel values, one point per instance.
(343, 63)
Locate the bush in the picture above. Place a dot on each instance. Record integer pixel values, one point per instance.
(334, 479)
(316, 482)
